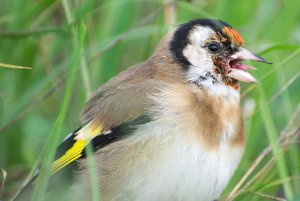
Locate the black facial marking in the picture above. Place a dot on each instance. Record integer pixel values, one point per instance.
(198, 83)
(202, 78)
(208, 76)
(181, 38)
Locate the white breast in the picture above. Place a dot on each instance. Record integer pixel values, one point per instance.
(166, 166)
(183, 171)
(182, 168)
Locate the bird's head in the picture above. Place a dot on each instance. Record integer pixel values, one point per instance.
(211, 53)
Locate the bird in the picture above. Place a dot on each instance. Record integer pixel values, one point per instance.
(168, 128)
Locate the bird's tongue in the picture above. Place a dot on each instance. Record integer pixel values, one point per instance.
(243, 67)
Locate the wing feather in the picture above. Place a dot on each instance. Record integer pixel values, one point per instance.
(73, 147)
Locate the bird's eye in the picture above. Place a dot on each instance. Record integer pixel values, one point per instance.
(214, 47)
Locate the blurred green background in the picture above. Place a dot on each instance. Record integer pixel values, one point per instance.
(96, 39)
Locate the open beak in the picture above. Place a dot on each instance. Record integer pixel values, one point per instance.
(237, 70)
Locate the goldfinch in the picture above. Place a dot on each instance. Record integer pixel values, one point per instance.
(169, 128)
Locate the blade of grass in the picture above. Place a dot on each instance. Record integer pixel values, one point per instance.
(33, 32)
(93, 174)
(55, 135)
(288, 110)
(279, 182)
(197, 10)
(36, 9)
(13, 66)
(3, 180)
(265, 196)
(279, 47)
(285, 86)
(125, 34)
(274, 141)
(80, 37)
(79, 34)
(169, 12)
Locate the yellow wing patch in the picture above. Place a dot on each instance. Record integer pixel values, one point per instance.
(82, 138)
(72, 154)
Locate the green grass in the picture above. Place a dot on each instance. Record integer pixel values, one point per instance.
(74, 46)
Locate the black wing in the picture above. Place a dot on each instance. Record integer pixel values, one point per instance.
(66, 170)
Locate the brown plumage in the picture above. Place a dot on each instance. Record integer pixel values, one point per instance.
(133, 86)
(169, 128)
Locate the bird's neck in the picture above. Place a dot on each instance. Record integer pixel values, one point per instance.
(213, 83)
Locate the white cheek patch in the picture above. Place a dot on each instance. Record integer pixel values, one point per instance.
(194, 51)
(198, 56)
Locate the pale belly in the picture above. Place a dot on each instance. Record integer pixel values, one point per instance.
(185, 173)
(173, 170)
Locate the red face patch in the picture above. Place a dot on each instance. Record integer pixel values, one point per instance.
(233, 35)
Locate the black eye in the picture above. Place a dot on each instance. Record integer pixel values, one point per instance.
(213, 47)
